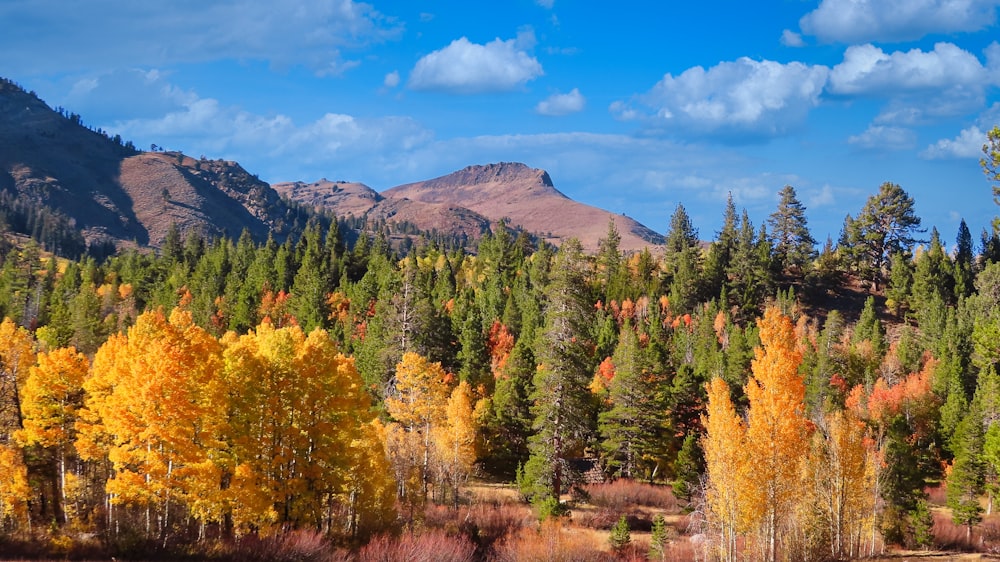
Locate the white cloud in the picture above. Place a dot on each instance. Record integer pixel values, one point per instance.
(857, 21)
(880, 137)
(791, 39)
(969, 141)
(102, 34)
(125, 94)
(968, 144)
(546, 3)
(743, 97)
(867, 69)
(464, 67)
(266, 144)
(562, 104)
(391, 80)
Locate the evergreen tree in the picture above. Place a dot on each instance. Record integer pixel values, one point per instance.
(967, 480)
(562, 407)
(886, 225)
(793, 246)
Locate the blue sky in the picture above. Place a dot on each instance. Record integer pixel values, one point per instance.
(630, 106)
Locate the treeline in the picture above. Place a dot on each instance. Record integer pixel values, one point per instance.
(515, 362)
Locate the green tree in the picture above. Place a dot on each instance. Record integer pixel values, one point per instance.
(967, 480)
(562, 406)
(885, 225)
(991, 167)
(794, 247)
(620, 537)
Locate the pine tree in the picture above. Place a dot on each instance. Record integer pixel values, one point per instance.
(562, 408)
(967, 480)
(886, 225)
(794, 246)
(620, 537)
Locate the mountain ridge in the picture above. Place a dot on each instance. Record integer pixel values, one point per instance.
(111, 192)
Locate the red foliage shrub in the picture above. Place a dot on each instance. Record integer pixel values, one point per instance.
(291, 546)
(624, 493)
(430, 546)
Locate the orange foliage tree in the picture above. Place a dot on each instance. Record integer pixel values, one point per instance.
(777, 430)
(155, 414)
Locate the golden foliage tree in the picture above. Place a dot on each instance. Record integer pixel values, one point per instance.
(455, 439)
(418, 403)
(156, 412)
(724, 462)
(16, 357)
(777, 431)
(298, 423)
(53, 394)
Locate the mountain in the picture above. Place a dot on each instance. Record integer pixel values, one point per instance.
(68, 185)
(112, 192)
(357, 199)
(527, 198)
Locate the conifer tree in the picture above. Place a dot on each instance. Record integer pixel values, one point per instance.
(794, 246)
(967, 480)
(562, 407)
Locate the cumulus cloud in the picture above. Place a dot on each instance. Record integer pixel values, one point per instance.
(93, 36)
(880, 137)
(273, 144)
(791, 39)
(968, 144)
(743, 97)
(969, 141)
(125, 94)
(562, 104)
(391, 80)
(868, 70)
(858, 21)
(464, 67)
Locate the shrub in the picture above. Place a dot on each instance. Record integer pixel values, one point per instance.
(290, 546)
(624, 493)
(431, 546)
(551, 543)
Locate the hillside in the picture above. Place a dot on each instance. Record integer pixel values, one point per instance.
(357, 199)
(112, 192)
(527, 197)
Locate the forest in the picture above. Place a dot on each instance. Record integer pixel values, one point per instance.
(333, 399)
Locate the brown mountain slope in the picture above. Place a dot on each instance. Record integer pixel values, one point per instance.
(110, 191)
(346, 198)
(528, 199)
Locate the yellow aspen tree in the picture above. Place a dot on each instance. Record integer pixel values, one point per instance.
(455, 439)
(53, 394)
(842, 469)
(723, 445)
(298, 412)
(161, 420)
(14, 488)
(369, 485)
(93, 441)
(16, 357)
(777, 431)
(417, 402)
(17, 354)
